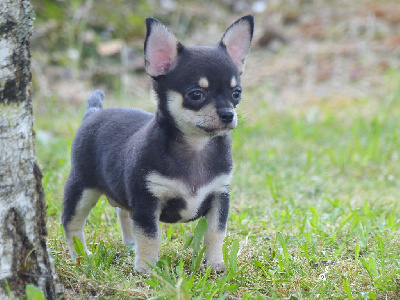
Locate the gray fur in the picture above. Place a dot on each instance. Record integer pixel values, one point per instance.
(95, 102)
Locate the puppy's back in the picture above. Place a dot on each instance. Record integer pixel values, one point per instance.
(102, 136)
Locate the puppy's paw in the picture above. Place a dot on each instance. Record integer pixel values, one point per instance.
(218, 267)
(142, 267)
(143, 270)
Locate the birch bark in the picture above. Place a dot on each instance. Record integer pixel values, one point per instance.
(24, 258)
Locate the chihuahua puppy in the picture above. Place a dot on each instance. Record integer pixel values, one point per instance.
(171, 166)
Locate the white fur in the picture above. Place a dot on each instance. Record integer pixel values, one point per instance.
(203, 82)
(233, 82)
(214, 239)
(126, 225)
(165, 188)
(189, 120)
(197, 143)
(186, 119)
(146, 249)
(88, 200)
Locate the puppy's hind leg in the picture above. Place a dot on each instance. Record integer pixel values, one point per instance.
(126, 225)
(77, 205)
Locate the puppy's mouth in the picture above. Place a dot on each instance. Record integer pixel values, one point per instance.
(214, 131)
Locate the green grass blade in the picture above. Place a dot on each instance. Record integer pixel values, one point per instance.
(33, 293)
(282, 242)
(79, 248)
(197, 239)
(346, 287)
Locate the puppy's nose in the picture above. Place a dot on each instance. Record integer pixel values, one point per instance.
(226, 115)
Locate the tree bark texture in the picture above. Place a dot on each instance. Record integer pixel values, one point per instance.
(24, 258)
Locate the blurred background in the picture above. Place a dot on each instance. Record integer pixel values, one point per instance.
(303, 50)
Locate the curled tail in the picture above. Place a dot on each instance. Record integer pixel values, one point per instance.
(95, 102)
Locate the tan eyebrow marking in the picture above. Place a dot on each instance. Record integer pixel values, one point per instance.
(233, 82)
(203, 82)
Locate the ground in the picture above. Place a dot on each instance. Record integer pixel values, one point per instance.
(315, 195)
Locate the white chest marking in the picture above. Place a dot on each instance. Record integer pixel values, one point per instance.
(165, 188)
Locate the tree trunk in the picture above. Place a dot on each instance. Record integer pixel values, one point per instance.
(24, 258)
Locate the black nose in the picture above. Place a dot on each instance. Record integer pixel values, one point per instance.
(225, 114)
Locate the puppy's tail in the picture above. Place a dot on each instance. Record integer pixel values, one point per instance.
(95, 103)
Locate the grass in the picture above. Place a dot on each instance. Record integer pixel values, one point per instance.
(315, 210)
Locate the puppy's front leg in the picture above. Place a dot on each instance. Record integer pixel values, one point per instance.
(216, 230)
(147, 236)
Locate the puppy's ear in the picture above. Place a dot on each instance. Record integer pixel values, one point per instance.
(237, 40)
(160, 49)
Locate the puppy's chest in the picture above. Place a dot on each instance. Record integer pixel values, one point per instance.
(181, 199)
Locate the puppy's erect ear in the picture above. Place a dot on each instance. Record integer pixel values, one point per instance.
(160, 49)
(237, 40)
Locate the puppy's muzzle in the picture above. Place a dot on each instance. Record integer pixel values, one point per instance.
(226, 115)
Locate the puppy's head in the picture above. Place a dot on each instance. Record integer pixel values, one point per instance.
(198, 87)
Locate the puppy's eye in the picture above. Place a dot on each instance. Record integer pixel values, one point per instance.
(196, 95)
(237, 94)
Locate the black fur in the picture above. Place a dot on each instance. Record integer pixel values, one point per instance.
(171, 210)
